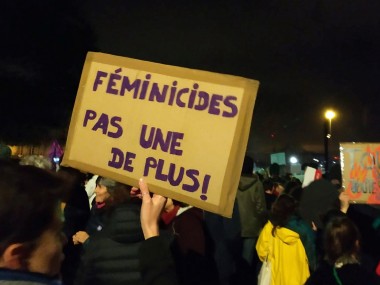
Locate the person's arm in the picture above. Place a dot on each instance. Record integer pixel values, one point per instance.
(156, 263)
(344, 202)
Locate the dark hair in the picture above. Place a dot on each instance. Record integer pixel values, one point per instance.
(29, 201)
(119, 193)
(247, 166)
(341, 239)
(75, 178)
(274, 169)
(282, 209)
(88, 175)
(294, 189)
(268, 184)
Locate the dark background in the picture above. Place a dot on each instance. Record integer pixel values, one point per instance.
(307, 55)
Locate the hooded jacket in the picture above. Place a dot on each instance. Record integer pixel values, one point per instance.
(251, 202)
(286, 254)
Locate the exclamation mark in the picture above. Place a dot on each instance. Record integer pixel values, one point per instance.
(206, 181)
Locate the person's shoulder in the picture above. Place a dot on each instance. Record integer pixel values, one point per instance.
(360, 273)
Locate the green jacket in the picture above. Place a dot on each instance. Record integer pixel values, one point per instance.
(251, 202)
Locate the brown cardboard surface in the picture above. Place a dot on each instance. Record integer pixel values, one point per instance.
(185, 130)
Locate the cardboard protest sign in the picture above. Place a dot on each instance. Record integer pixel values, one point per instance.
(310, 175)
(184, 130)
(361, 171)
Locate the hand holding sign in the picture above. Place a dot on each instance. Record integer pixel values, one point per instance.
(134, 118)
(151, 209)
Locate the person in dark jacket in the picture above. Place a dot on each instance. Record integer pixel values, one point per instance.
(76, 213)
(31, 221)
(156, 262)
(191, 243)
(342, 256)
(111, 255)
(252, 206)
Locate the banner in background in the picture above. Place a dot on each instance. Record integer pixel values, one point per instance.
(184, 130)
(361, 171)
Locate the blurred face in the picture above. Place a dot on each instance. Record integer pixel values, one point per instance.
(48, 255)
(101, 193)
(278, 189)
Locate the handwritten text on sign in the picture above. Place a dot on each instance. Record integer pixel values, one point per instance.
(184, 130)
(361, 171)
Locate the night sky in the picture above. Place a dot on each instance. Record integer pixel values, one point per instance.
(307, 55)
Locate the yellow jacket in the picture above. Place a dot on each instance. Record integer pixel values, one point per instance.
(286, 254)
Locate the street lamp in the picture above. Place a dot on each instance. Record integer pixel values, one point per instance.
(329, 115)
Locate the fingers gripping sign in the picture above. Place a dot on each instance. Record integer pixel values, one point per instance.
(151, 209)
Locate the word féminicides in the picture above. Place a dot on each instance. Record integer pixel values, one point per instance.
(200, 100)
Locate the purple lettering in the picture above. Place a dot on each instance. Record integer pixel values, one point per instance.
(112, 82)
(192, 174)
(179, 94)
(205, 184)
(228, 103)
(214, 104)
(90, 115)
(102, 124)
(144, 87)
(172, 180)
(175, 143)
(159, 174)
(203, 101)
(156, 95)
(129, 156)
(117, 158)
(150, 162)
(126, 85)
(119, 129)
(98, 80)
(157, 139)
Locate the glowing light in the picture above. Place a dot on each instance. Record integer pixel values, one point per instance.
(329, 114)
(293, 159)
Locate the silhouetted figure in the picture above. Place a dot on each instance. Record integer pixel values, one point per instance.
(76, 213)
(252, 206)
(191, 244)
(342, 256)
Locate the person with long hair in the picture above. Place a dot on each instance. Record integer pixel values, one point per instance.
(341, 243)
(282, 242)
(111, 252)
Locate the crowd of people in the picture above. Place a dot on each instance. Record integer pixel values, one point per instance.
(68, 227)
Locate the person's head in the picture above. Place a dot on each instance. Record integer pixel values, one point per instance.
(282, 209)
(268, 185)
(294, 189)
(274, 170)
(341, 239)
(335, 175)
(111, 192)
(31, 221)
(247, 168)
